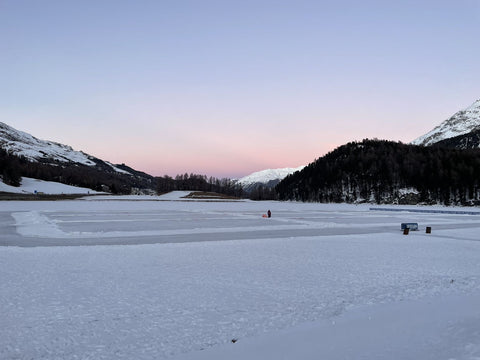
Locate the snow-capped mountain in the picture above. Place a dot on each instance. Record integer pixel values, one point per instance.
(461, 123)
(269, 177)
(51, 161)
(20, 143)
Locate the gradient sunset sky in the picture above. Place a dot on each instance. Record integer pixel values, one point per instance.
(226, 88)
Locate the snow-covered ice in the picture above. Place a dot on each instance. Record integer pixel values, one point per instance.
(181, 280)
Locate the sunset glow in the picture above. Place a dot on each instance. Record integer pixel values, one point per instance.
(229, 88)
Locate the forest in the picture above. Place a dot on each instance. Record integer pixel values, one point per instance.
(101, 177)
(380, 171)
(197, 182)
(465, 141)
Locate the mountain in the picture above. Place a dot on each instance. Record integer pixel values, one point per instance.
(461, 123)
(462, 142)
(25, 155)
(20, 143)
(380, 171)
(268, 178)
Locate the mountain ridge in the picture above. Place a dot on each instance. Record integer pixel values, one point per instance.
(267, 177)
(461, 123)
(20, 143)
(23, 155)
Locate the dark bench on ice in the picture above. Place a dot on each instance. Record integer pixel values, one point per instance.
(410, 226)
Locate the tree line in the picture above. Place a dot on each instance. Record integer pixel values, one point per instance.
(196, 182)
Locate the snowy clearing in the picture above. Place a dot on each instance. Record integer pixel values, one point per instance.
(117, 279)
(33, 186)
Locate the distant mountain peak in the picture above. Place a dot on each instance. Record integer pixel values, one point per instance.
(268, 177)
(462, 122)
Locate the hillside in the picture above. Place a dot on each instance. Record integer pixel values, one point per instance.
(470, 140)
(23, 155)
(268, 178)
(461, 123)
(388, 172)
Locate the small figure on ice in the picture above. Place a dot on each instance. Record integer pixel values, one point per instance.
(267, 215)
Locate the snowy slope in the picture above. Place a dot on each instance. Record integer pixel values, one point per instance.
(32, 186)
(462, 122)
(265, 176)
(20, 143)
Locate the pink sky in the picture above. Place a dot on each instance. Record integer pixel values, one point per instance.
(228, 88)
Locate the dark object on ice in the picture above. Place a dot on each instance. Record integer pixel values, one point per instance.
(428, 230)
(406, 231)
(410, 226)
(269, 213)
(234, 341)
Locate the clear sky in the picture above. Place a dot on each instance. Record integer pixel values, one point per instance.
(228, 87)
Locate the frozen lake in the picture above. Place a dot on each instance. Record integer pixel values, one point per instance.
(107, 221)
(183, 278)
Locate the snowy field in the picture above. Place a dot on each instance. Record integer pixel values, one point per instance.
(33, 186)
(160, 278)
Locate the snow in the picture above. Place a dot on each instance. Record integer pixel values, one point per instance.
(171, 196)
(31, 186)
(407, 191)
(265, 176)
(462, 122)
(134, 279)
(371, 333)
(116, 169)
(23, 144)
(175, 195)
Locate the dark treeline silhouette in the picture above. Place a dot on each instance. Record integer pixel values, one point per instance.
(383, 171)
(101, 177)
(197, 182)
(262, 192)
(10, 168)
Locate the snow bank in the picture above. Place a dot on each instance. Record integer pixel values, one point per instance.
(170, 196)
(31, 186)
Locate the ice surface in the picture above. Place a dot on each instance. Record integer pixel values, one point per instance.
(333, 280)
